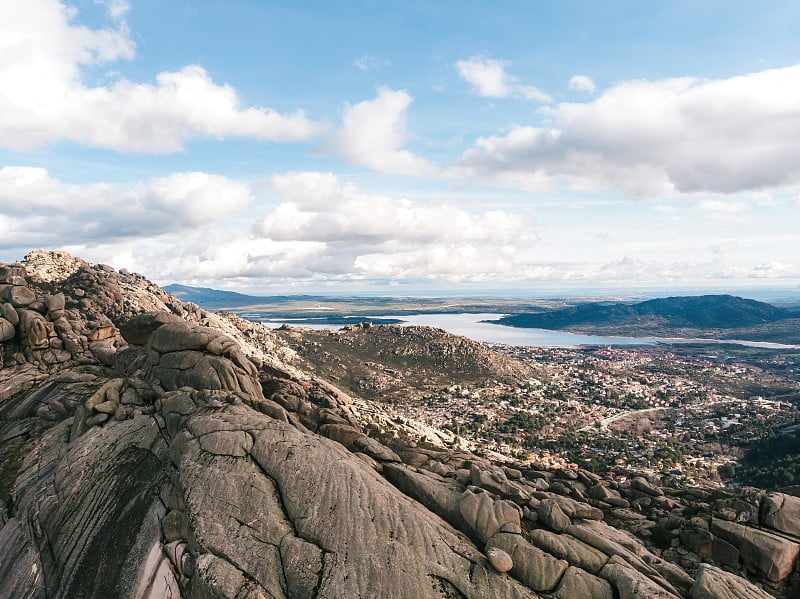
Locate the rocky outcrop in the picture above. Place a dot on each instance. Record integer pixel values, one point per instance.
(762, 553)
(782, 513)
(151, 449)
(713, 583)
(185, 481)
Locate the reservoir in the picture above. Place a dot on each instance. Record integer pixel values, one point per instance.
(472, 326)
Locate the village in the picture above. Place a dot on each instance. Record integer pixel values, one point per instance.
(644, 409)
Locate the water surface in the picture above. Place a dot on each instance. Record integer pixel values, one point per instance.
(472, 326)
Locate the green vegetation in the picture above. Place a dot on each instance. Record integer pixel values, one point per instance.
(771, 463)
(707, 317)
(705, 311)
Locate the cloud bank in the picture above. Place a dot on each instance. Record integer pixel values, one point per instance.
(41, 210)
(45, 60)
(657, 139)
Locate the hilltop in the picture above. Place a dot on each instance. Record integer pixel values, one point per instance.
(391, 360)
(150, 449)
(719, 316)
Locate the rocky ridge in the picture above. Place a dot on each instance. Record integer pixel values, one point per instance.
(152, 449)
(374, 360)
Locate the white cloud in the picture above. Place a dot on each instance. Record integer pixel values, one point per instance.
(43, 57)
(658, 139)
(41, 210)
(721, 206)
(201, 227)
(376, 236)
(368, 62)
(489, 79)
(582, 83)
(320, 230)
(116, 8)
(374, 132)
(321, 207)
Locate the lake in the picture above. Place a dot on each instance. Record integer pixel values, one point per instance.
(471, 325)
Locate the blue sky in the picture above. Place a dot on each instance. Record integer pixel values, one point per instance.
(375, 146)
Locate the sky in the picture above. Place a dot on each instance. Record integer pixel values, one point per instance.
(389, 147)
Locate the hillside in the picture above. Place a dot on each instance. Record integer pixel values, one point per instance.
(150, 449)
(375, 361)
(720, 316)
(210, 298)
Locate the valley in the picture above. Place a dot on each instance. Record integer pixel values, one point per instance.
(152, 447)
(683, 411)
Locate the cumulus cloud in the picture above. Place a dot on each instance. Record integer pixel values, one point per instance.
(372, 235)
(373, 134)
(198, 227)
(42, 210)
(658, 139)
(43, 60)
(582, 83)
(322, 207)
(489, 79)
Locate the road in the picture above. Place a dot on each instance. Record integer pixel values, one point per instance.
(606, 421)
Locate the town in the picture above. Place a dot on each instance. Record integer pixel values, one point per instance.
(652, 409)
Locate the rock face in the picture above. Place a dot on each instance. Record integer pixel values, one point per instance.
(151, 449)
(713, 583)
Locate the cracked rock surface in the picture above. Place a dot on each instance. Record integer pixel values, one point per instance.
(150, 449)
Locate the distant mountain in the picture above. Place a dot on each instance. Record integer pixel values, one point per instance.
(697, 312)
(210, 298)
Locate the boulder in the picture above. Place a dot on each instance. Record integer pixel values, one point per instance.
(484, 517)
(531, 566)
(632, 584)
(101, 333)
(570, 549)
(762, 553)
(552, 516)
(180, 336)
(493, 480)
(173, 526)
(697, 539)
(441, 497)
(18, 296)
(725, 553)
(33, 328)
(375, 449)
(8, 312)
(341, 433)
(302, 561)
(643, 486)
(499, 559)
(714, 583)
(7, 330)
(611, 496)
(55, 304)
(137, 330)
(578, 584)
(781, 512)
(13, 274)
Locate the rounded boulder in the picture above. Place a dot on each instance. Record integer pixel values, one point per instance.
(499, 559)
